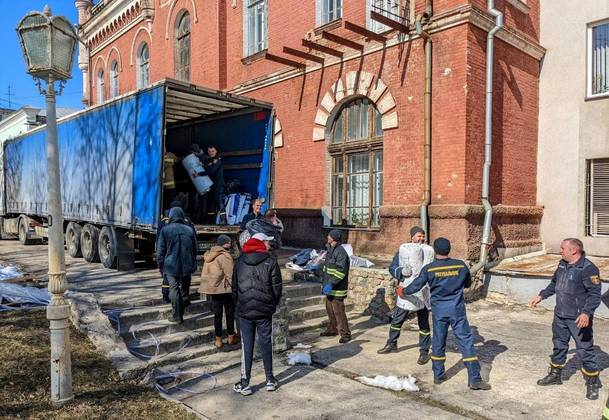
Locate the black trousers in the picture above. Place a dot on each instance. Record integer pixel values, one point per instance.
(223, 304)
(563, 329)
(399, 317)
(249, 328)
(179, 290)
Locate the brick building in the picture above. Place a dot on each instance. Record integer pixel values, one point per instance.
(349, 131)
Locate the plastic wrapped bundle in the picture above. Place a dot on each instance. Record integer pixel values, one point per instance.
(192, 164)
(266, 227)
(412, 255)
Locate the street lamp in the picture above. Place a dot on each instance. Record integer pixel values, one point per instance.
(48, 43)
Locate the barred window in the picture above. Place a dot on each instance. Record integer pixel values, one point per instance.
(182, 48)
(328, 11)
(397, 10)
(357, 165)
(143, 66)
(114, 79)
(598, 59)
(255, 31)
(101, 87)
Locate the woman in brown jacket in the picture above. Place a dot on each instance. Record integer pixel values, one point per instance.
(216, 278)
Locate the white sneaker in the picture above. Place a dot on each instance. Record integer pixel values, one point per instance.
(271, 384)
(239, 388)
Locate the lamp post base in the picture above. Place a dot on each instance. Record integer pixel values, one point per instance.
(58, 314)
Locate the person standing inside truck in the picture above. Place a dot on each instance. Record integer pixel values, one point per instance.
(256, 213)
(177, 258)
(212, 163)
(577, 286)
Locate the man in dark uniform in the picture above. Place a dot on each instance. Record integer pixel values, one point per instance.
(162, 223)
(577, 285)
(335, 277)
(213, 168)
(447, 277)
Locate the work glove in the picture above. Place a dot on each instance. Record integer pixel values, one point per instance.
(400, 291)
(327, 289)
(406, 271)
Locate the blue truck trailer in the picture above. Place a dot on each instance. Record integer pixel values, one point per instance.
(111, 163)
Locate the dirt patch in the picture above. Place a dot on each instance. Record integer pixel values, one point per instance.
(98, 391)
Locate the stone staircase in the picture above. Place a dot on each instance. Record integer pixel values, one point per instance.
(150, 336)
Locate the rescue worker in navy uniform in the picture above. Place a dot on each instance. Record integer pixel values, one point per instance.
(214, 169)
(335, 277)
(577, 285)
(447, 277)
(405, 267)
(162, 223)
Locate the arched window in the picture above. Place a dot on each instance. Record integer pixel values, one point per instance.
(101, 87)
(114, 79)
(143, 66)
(356, 148)
(182, 48)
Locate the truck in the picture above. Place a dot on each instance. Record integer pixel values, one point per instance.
(111, 165)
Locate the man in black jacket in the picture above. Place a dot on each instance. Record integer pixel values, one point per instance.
(577, 286)
(257, 288)
(335, 277)
(177, 259)
(214, 169)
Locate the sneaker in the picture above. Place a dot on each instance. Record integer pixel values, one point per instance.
(439, 379)
(389, 348)
(242, 389)
(480, 386)
(423, 358)
(344, 340)
(271, 384)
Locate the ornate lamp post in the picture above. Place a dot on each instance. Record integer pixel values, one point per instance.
(48, 43)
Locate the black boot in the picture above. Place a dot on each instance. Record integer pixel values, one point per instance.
(552, 378)
(389, 348)
(423, 358)
(480, 386)
(593, 384)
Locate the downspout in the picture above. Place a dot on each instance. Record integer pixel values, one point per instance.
(488, 139)
(424, 215)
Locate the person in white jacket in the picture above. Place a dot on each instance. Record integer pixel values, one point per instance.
(405, 267)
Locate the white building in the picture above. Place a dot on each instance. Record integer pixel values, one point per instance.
(573, 154)
(25, 119)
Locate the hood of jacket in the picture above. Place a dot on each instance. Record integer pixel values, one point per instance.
(176, 214)
(213, 253)
(255, 258)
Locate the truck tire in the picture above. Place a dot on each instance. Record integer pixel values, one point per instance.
(89, 239)
(23, 229)
(108, 247)
(73, 235)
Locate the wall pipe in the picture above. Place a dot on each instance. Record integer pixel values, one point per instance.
(488, 139)
(424, 215)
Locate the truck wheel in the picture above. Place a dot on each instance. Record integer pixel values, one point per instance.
(107, 247)
(73, 235)
(89, 243)
(23, 229)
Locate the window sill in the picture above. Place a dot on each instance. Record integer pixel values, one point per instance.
(254, 57)
(597, 97)
(357, 229)
(336, 23)
(520, 5)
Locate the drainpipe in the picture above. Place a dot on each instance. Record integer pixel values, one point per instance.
(488, 139)
(424, 216)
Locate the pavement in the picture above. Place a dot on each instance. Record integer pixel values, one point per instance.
(513, 342)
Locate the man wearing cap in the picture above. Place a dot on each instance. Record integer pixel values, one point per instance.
(257, 289)
(216, 278)
(447, 277)
(335, 277)
(405, 267)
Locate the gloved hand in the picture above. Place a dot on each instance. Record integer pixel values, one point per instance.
(406, 271)
(400, 291)
(327, 289)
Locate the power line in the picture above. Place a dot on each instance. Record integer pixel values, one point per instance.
(9, 96)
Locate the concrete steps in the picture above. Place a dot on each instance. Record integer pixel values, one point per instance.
(297, 328)
(311, 312)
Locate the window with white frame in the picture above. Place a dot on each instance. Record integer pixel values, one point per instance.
(101, 87)
(182, 47)
(143, 66)
(597, 220)
(114, 79)
(356, 148)
(598, 59)
(393, 9)
(255, 26)
(328, 11)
